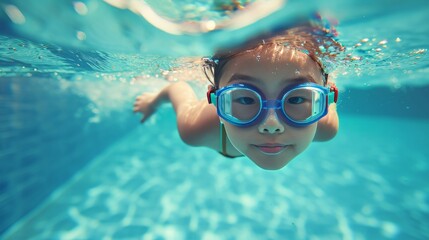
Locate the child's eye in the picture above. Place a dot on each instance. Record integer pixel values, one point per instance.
(295, 100)
(245, 100)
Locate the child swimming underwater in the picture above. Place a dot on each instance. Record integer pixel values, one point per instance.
(268, 100)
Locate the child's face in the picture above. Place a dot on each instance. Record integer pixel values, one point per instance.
(271, 143)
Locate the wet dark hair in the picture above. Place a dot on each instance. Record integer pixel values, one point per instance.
(314, 38)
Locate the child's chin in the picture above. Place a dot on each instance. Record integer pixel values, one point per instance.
(271, 164)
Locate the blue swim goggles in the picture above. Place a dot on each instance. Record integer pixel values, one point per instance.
(299, 105)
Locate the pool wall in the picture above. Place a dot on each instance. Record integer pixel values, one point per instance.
(403, 102)
(46, 135)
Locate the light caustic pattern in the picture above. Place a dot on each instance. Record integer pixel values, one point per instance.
(133, 191)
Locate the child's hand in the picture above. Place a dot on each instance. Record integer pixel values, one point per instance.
(145, 104)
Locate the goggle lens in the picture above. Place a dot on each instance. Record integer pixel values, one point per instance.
(304, 104)
(240, 105)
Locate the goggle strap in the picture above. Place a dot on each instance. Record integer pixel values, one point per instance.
(211, 95)
(333, 94)
(213, 99)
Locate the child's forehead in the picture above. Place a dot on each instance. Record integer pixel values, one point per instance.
(271, 56)
(286, 62)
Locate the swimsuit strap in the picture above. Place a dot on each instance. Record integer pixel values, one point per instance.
(223, 141)
(222, 134)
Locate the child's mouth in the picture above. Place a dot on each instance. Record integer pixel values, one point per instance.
(271, 149)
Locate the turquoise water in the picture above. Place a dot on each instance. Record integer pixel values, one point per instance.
(372, 190)
(75, 163)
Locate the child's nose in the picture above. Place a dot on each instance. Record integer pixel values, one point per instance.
(271, 124)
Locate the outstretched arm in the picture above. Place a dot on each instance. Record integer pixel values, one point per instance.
(197, 121)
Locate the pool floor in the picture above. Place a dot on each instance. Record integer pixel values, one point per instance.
(370, 182)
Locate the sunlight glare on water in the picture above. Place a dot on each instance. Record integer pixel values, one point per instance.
(376, 49)
(79, 55)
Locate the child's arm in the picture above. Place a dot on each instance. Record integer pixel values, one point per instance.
(327, 127)
(197, 121)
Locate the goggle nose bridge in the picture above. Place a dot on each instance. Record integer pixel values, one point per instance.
(272, 104)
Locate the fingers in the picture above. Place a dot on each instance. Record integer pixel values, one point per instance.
(144, 116)
(143, 104)
(136, 107)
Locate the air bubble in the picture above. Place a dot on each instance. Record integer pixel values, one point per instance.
(80, 35)
(419, 51)
(80, 8)
(383, 42)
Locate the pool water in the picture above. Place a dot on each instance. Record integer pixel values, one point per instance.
(76, 164)
(375, 189)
